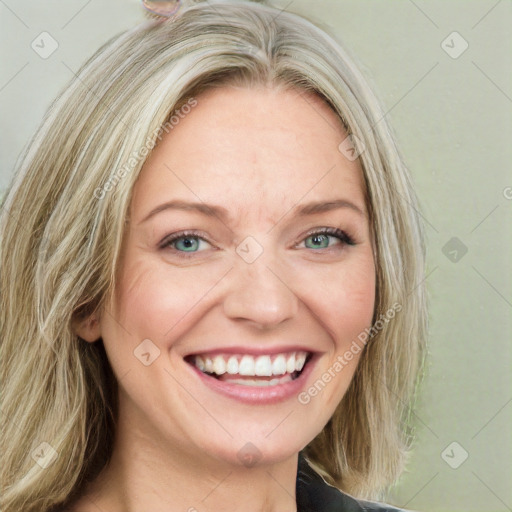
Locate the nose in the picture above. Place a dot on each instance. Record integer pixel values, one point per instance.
(261, 295)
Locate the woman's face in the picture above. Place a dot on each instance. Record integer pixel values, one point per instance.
(252, 176)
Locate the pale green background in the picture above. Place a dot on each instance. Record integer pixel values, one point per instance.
(452, 118)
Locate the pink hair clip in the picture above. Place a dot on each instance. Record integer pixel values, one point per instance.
(165, 8)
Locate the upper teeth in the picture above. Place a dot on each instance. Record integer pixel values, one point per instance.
(263, 366)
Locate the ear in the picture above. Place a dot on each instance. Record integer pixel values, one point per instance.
(89, 328)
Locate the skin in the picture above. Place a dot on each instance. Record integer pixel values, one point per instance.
(259, 153)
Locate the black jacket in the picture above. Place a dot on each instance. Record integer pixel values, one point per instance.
(314, 495)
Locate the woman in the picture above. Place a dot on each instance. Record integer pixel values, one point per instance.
(211, 267)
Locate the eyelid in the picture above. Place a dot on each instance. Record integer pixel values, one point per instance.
(168, 240)
(338, 233)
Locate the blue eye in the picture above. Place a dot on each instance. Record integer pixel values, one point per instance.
(188, 244)
(184, 242)
(321, 239)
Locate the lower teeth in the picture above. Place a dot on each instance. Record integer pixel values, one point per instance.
(252, 382)
(258, 382)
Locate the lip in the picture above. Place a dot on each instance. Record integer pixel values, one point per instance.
(258, 394)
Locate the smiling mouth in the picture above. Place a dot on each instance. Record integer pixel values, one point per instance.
(249, 370)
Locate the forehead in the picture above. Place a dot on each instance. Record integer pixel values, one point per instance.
(254, 150)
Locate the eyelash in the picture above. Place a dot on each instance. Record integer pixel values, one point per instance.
(341, 235)
(344, 237)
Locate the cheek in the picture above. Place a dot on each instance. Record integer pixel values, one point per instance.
(343, 304)
(160, 302)
(355, 300)
(344, 298)
(157, 301)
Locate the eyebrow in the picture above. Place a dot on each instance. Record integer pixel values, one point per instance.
(211, 210)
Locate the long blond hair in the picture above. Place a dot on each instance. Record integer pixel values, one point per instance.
(62, 226)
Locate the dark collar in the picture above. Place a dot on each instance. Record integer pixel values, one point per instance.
(314, 495)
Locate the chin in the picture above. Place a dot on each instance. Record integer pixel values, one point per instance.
(257, 450)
